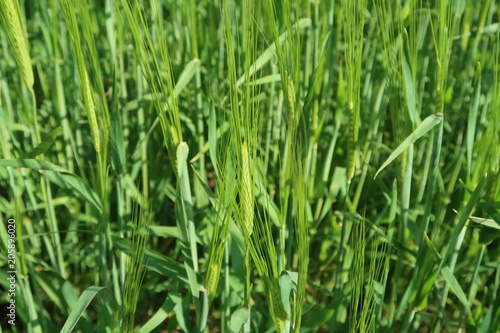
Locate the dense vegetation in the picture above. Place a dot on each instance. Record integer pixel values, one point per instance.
(227, 166)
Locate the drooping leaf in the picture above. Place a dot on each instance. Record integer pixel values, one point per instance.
(83, 302)
(159, 316)
(46, 143)
(455, 287)
(60, 176)
(155, 261)
(424, 127)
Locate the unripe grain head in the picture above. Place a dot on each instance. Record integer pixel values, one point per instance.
(17, 40)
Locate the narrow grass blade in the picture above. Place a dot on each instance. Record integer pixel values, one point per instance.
(187, 74)
(203, 317)
(410, 91)
(212, 139)
(270, 52)
(46, 143)
(117, 145)
(158, 318)
(184, 218)
(69, 179)
(463, 219)
(426, 125)
(455, 287)
(83, 302)
(485, 222)
(288, 281)
(155, 261)
(492, 210)
(179, 311)
(266, 79)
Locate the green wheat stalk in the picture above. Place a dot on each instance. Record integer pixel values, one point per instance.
(354, 22)
(68, 10)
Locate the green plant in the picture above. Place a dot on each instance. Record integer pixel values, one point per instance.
(250, 166)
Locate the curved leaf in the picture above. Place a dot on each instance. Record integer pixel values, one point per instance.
(424, 127)
(155, 261)
(60, 176)
(83, 302)
(46, 143)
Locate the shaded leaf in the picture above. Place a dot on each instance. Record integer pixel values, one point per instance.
(46, 143)
(69, 179)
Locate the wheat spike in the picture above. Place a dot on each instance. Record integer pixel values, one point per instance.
(11, 17)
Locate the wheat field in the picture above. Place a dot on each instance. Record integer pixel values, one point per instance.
(250, 166)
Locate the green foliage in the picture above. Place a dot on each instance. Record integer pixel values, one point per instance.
(319, 166)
